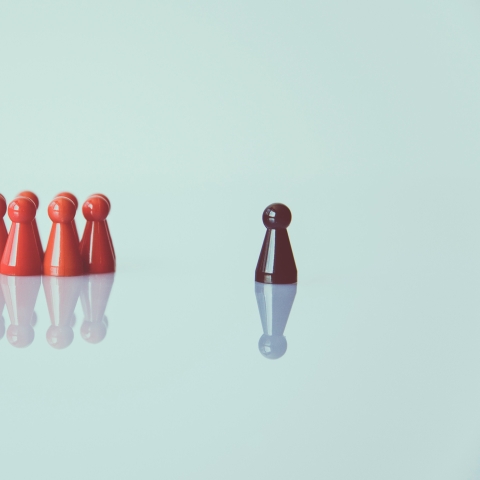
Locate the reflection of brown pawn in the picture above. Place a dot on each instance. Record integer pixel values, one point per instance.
(95, 246)
(62, 294)
(62, 256)
(94, 297)
(20, 296)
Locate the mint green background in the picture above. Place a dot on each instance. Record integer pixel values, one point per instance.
(363, 117)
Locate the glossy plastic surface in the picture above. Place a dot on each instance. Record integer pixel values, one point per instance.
(96, 246)
(62, 256)
(74, 199)
(274, 305)
(3, 228)
(20, 296)
(108, 228)
(34, 198)
(21, 255)
(276, 263)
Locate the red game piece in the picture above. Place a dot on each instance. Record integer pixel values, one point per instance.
(62, 256)
(106, 223)
(95, 246)
(21, 255)
(20, 296)
(62, 294)
(3, 228)
(73, 198)
(34, 199)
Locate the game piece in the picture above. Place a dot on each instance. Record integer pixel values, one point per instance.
(95, 246)
(274, 305)
(34, 199)
(3, 228)
(94, 298)
(276, 263)
(106, 224)
(62, 256)
(21, 255)
(73, 198)
(62, 294)
(20, 296)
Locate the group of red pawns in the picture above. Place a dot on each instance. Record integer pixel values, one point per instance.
(66, 255)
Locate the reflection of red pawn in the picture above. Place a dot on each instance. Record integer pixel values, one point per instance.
(62, 256)
(34, 199)
(95, 247)
(73, 198)
(21, 255)
(3, 228)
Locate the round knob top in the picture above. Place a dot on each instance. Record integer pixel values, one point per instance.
(71, 196)
(31, 196)
(95, 209)
(22, 210)
(61, 210)
(103, 196)
(3, 206)
(277, 215)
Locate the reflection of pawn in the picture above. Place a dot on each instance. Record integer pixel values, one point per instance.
(276, 263)
(62, 256)
(73, 198)
(34, 199)
(2, 320)
(96, 247)
(106, 223)
(94, 297)
(3, 228)
(21, 255)
(34, 319)
(62, 294)
(20, 296)
(274, 304)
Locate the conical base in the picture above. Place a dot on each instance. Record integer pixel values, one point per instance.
(276, 263)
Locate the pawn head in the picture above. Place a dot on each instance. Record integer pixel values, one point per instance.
(3, 206)
(103, 196)
(272, 347)
(61, 210)
(277, 215)
(95, 209)
(59, 336)
(20, 336)
(22, 210)
(31, 196)
(71, 196)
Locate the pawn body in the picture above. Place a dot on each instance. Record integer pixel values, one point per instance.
(96, 247)
(3, 228)
(276, 263)
(21, 255)
(73, 198)
(34, 199)
(62, 256)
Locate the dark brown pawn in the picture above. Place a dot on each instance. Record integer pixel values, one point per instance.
(276, 263)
